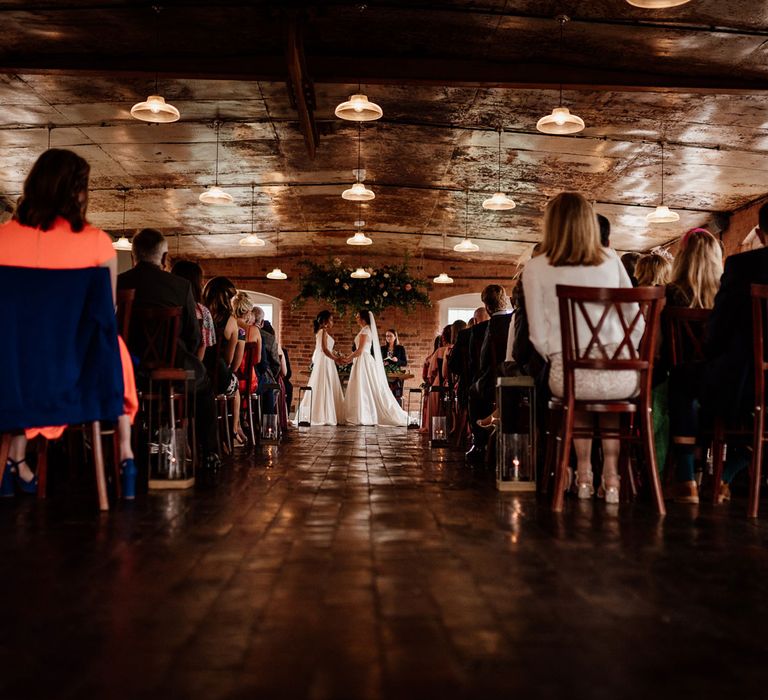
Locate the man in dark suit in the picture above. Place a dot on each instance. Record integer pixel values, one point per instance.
(156, 287)
(268, 368)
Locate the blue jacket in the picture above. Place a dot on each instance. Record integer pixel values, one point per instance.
(59, 359)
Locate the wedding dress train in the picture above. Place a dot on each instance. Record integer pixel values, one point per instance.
(326, 396)
(369, 400)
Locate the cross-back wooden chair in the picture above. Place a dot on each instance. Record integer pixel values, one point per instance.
(584, 312)
(686, 331)
(125, 299)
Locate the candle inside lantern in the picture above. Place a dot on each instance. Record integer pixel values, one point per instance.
(515, 468)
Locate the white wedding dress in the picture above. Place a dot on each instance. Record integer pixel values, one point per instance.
(369, 399)
(326, 396)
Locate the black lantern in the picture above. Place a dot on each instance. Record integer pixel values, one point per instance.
(304, 411)
(414, 407)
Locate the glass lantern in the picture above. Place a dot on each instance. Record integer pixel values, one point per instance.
(270, 428)
(439, 434)
(516, 436)
(304, 417)
(414, 408)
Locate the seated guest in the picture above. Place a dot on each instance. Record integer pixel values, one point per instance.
(476, 453)
(394, 358)
(49, 230)
(156, 287)
(519, 347)
(426, 384)
(653, 270)
(696, 278)
(572, 255)
(605, 231)
(266, 327)
(629, 260)
(268, 369)
(193, 273)
(493, 353)
(242, 308)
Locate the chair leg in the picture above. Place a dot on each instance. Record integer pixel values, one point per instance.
(627, 487)
(649, 453)
(116, 463)
(98, 463)
(753, 503)
(718, 446)
(561, 468)
(550, 456)
(42, 467)
(5, 448)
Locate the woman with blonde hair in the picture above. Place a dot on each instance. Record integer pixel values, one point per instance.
(571, 254)
(653, 270)
(696, 271)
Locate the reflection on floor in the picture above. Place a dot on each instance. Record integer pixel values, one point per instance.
(357, 563)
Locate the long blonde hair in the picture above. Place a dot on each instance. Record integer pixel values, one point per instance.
(571, 232)
(653, 270)
(698, 268)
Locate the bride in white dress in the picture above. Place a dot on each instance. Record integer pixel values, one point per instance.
(327, 398)
(369, 400)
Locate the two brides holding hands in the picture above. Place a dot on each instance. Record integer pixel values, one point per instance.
(369, 400)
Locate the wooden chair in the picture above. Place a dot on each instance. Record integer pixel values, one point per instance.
(591, 353)
(125, 299)
(759, 436)
(224, 408)
(250, 400)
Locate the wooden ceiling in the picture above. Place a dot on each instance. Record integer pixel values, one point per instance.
(446, 74)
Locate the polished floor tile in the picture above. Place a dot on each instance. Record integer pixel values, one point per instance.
(358, 563)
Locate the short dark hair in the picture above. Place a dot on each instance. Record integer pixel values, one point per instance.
(494, 296)
(57, 186)
(605, 230)
(193, 273)
(365, 315)
(321, 319)
(763, 218)
(147, 244)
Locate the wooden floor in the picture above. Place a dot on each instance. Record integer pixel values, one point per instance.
(357, 563)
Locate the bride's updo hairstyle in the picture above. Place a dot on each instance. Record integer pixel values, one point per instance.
(365, 315)
(321, 319)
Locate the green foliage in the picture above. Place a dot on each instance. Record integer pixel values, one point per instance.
(388, 286)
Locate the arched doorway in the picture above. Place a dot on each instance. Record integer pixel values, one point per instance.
(272, 306)
(459, 306)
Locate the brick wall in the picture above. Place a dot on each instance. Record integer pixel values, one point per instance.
(417, 330)
(742, 221)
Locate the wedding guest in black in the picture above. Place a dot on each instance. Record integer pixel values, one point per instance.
(605, 230)
(156, 287)
(629, 260)
(395, 357)
(287, 373)
(268, 368)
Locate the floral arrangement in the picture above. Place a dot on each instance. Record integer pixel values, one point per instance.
(390, 285)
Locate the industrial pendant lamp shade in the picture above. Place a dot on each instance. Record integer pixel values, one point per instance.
(359, 109)
(657, 4)
(215, 196)
(122, 243)
(499, 202)
(662, 215)
(466, 246)
(277, 274)
(252, 241)
(359, 239)
(155, 109)
(360, 274)
(358, 193)
(443, 278)
(560, 123)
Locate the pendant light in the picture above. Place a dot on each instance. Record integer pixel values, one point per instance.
(466, 246)
(122, 243)
(215, 196)
(360, 274)
(252, 240)
(443, 278)
(358, 108)
(499, 201)
(359, 238)
(657, 4)
(277, 273)
(662, 214)
(358, 192)
(155, 109)
(561, 122)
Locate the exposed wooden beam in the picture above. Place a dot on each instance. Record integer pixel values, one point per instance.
(300, 87)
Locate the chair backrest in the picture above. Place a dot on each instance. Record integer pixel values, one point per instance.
(155, 337)
(125, 299)
(585, 315)
(685, 330)
(759, 340)
(249, 363)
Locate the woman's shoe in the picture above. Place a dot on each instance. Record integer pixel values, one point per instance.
(609, 493)
(683, 492)
(723, 493)
(585, 489)
(240, 440)
(8, 487)
(24, 486)
(489, 423)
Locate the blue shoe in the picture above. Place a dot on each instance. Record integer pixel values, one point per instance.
(8, 487)
(29, 487)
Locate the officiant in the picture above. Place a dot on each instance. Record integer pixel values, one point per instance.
(395, 359)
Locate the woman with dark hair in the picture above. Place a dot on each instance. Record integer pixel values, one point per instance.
(225, 357)
(437, 378)
(369, 400)
(394, 358)
(49, 230)
(193, 273)
(326, 400)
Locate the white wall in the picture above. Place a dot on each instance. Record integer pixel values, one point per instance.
(467, 301)
(271, 305)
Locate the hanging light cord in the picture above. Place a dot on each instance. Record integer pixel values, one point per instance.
(359, 140)
(562, 21)
(253, 204)
(125, 199)
(662, 172)
(499, 158)
(157, 10)
(216, 125)
(466, 217)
